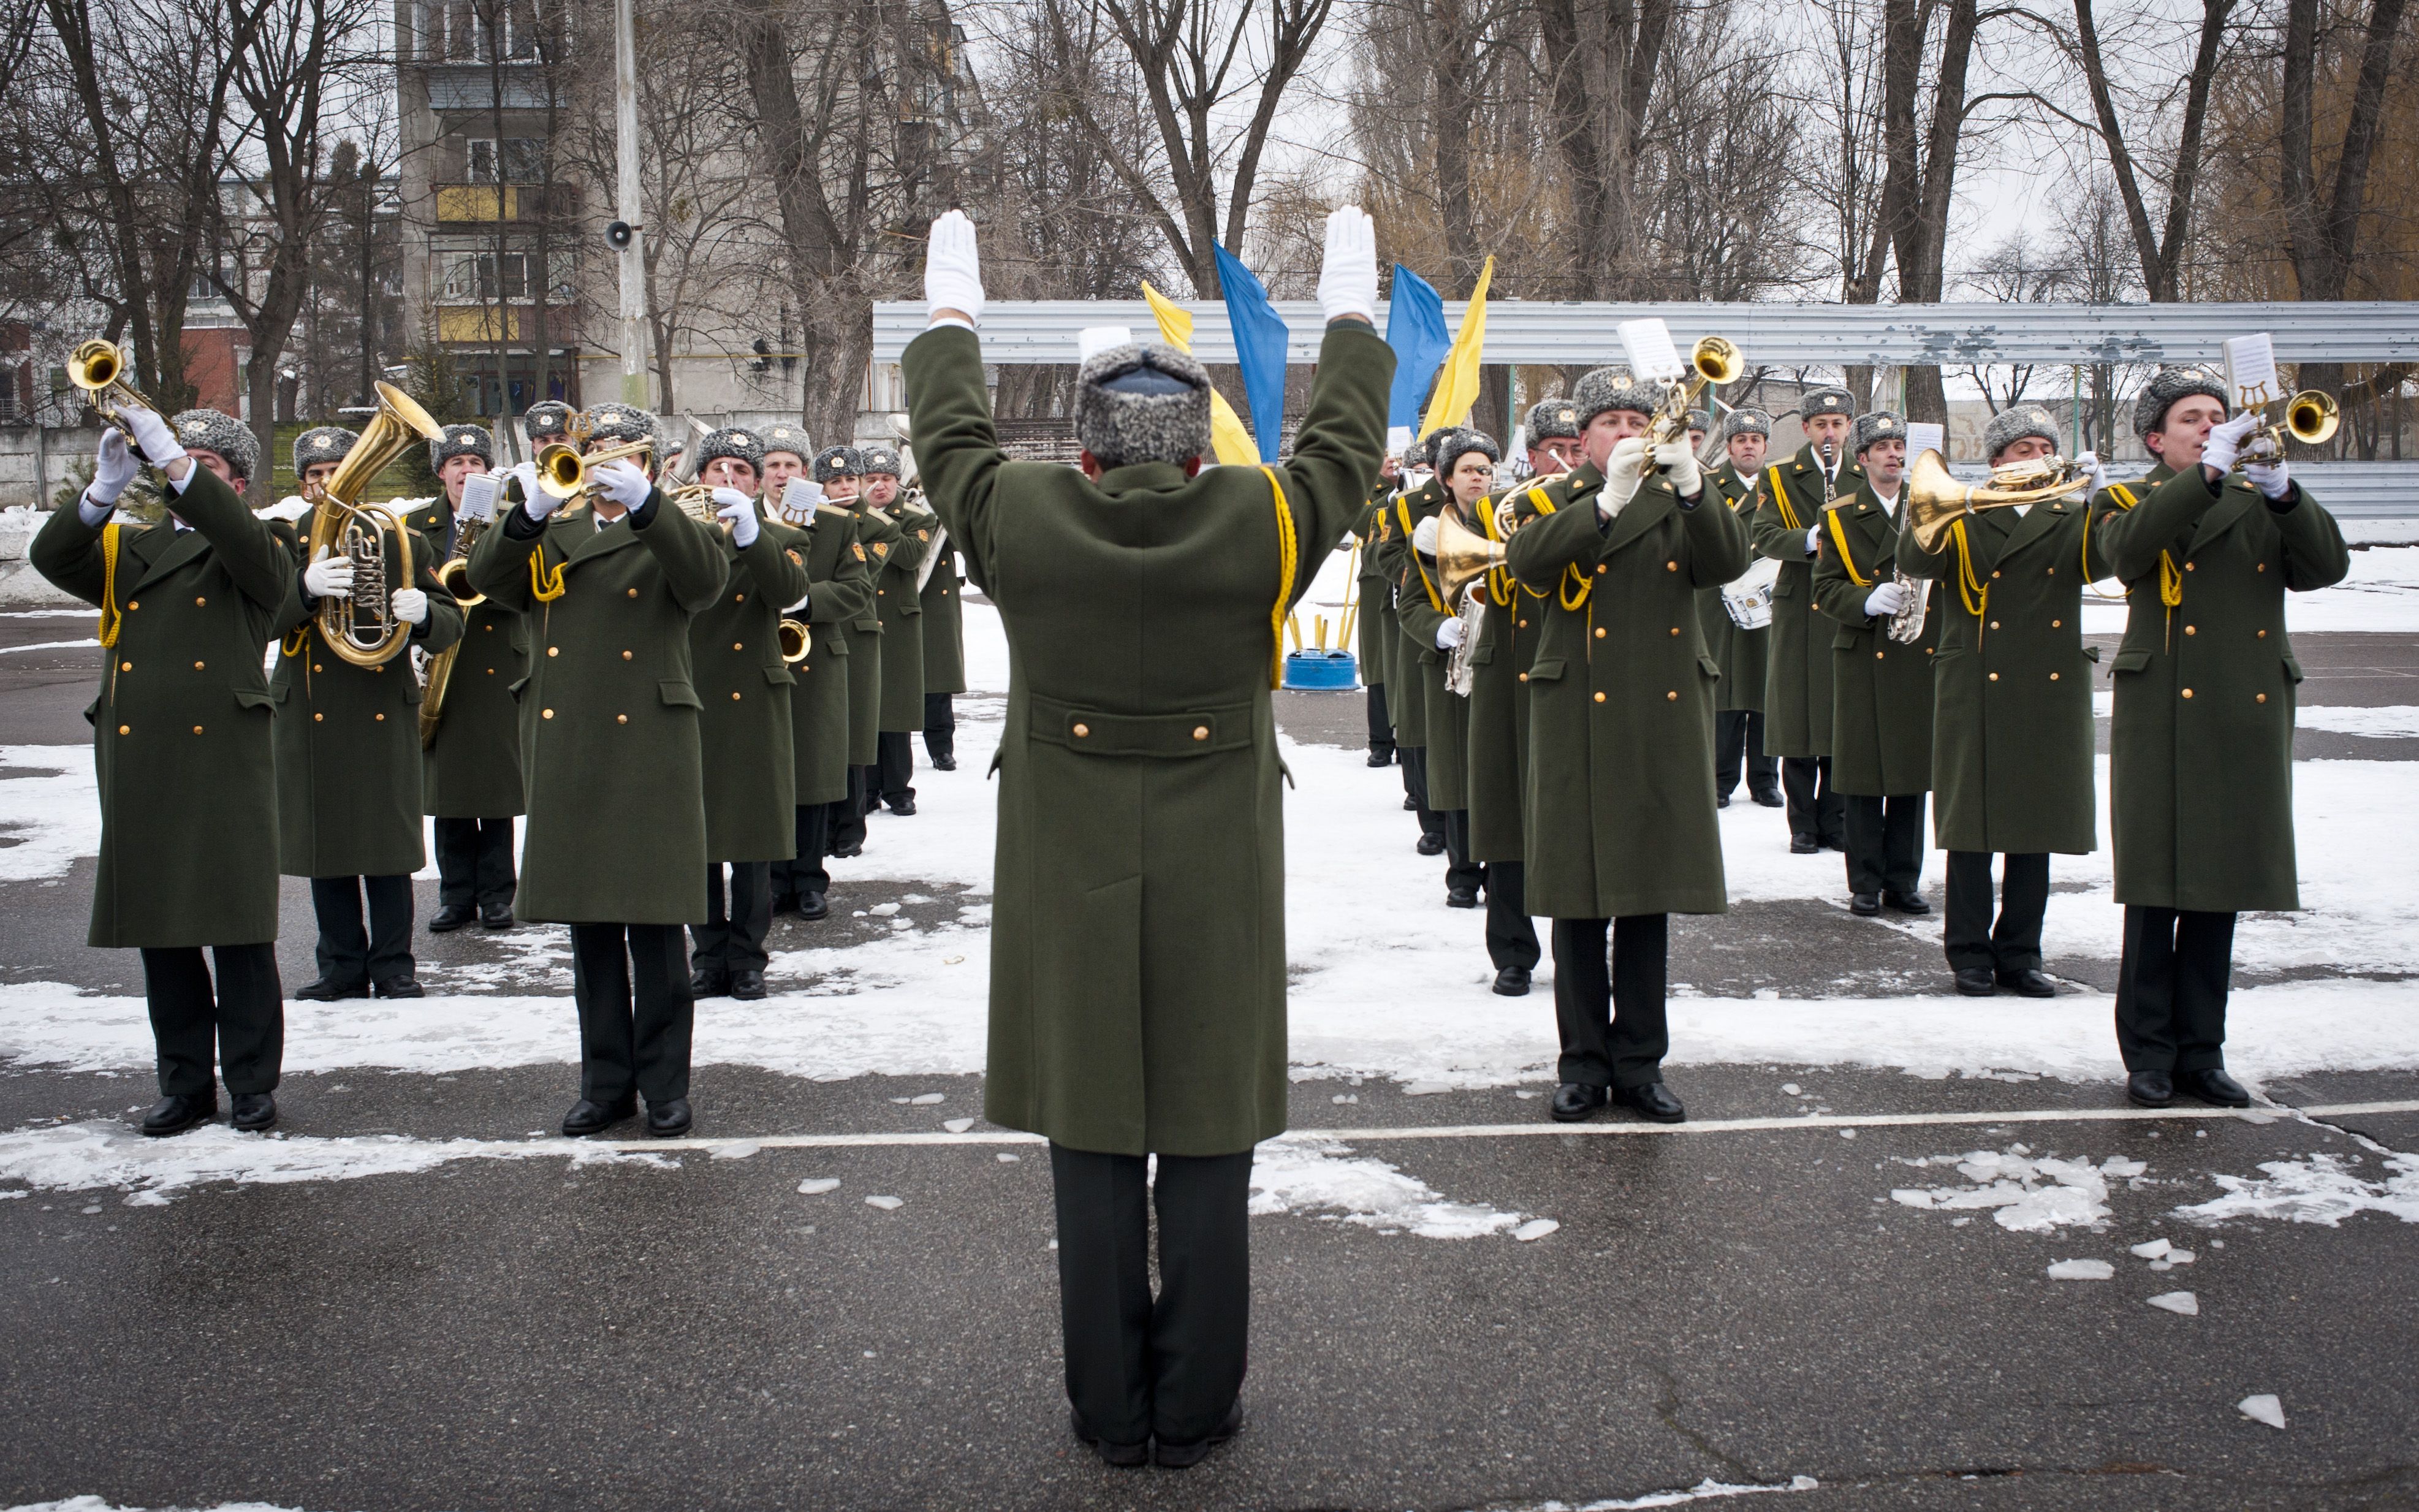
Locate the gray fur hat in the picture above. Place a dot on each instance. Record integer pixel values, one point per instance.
(731, 442)
(1747, 423)
(461, 440)
(2016, 423)
(838, 462)
(321, 444)
(1601, 388)
(1549, 418)
(1419, 453)
(1881, 425)
(207, 430)
(790, 439)
(1699, 420)
(1453, 444)
(1142, 402)
(2167, 386)
(879, 459)
(1831, 400)
(548, 417)
(618, 425)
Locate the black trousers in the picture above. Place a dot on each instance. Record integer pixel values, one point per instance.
(1459, 870)
(848, 815)
(1382, 728)
(1967, 933)
(940, 725)
(1511, 934)
(1140, 1366)
(1815, 813)
(2171, 989)
(1415, 787)
(896, 767)
(1738, 739)
(475, 862)
(243, 1020)
(1886, 843)
(347, 954)
(732, 936)
(1610, 1013)
(806, 875)
(636, 1015)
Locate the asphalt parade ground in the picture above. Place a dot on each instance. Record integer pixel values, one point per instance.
(1834, 1286)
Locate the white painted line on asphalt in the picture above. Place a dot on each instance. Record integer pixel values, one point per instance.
(1508, 1131)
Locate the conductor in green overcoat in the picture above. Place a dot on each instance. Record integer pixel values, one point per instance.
(181, 752)
(1138, 964)
(1432, 631)
(1790, 499)
(1744, 653)
(2201, 762)
(1621, 829)
(839, 588)
(615, 838)
(2011, 728)
(898, 605)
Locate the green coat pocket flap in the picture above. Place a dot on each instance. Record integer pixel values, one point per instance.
(781, 677)
(1167, 735)
(259, 698)
(679, 694)
(2130, 662)
(2293, 669)
(1708, 665)
(1545, 669)
(2092, 653)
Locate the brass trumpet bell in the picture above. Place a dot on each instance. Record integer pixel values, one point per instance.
(453, 576)
(1463, 555)
(1936, 501)
(1717, 360)
(564, 472)
(2311, 417)
(98, 368)
(794, 638)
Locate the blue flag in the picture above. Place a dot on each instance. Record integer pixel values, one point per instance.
(1259, 350)
(1415, 328)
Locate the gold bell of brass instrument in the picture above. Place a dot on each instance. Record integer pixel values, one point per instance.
(565, 473)
(98, 368)
(1716, 361)
(2311, 417)
(1936, 501)
(362, 629)
(1462, 556)
(795, 638)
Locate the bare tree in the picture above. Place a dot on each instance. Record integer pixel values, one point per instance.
(2012, 272)
(1606, 54)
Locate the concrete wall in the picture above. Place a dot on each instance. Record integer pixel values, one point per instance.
(51, 448)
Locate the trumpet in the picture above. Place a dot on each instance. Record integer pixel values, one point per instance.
(2311, 416)
(1716, 361)
(363, 629)
(564, 472)
(98, 368)
(696, 501)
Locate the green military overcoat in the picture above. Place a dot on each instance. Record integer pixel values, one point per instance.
(744, 730)
(840, 590)
(348, 758)
(1744, 655)
(471, 766)
(901, 610)
(2201, 771)
(1421, 607)
(1498, 700)
(1881, 689)
(1797, 679)
(616, 824)
(2012, 727)
(1621, 697)
(1370, 591)
(1407, 698)
(944, 622)
(1138, 956)
(879, 534)
(181, 725)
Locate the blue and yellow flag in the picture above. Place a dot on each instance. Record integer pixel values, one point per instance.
(1456, 388)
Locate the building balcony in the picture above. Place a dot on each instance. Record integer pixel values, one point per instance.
(475, 324)
(460, 205)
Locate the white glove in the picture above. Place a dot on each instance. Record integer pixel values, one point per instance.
(740, 510)
(1622, 471)
(114, 466)
(952, 270)
(329, 576)
(2089, 462)
(1449, 634)
(1886, 600)
(1348, 277)
(2225, 440)
(2271, 477)
(1679, 465)
(411, 605)
(1424, 538)
(623, 483)
(524, 474)
(535, 501)
(1813, 545)
(153, 437)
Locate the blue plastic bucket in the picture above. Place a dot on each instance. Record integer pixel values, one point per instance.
(1321, 672)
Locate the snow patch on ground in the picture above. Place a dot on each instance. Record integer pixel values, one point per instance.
(2026, 1193)
(2380, 595)
(1298, 1173)
(2314, 1189)
(1704, 1491)
(51, 814)
(94, 1504)
(2393, 721)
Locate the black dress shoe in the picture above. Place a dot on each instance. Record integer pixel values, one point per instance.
(1800, 846)
(1864, 904)
(1408, 806)
(1186, 1456)
(849, 850)
(1770, 801)
(748, 986)
(1723, 802)
(1123, 1456)
(812, 905)
(1382, 758)
(1906, 903)
(1653, 1101)
(707, 982)
(179, 1111)
(1512, 981)
(1461, 897)
(786, 903)
(253, 1111)
(944, 763)
(451, 918)
(495, 916)
(1574, 1101)
(903, 808)
(324, 991)
(587, 1117)
(1430, 846)
(402, 986)
(2150, 1090)
(2028, 983)
(669, 1119)
(1974, 982)
(2213, 1086)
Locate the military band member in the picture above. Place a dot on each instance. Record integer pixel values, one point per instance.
(1407, 688)
(1743, 653)
(1553, 433)
(1623, 832)
(945, 652)
(840, 590)
(786, 457)
(181, 746)
(838, 471)
(615, 838)
(2011, 744)
(1465, 473)
(2202, 744)
(1371, 594)
(470, 768)
(1141, 839)
(348, 778)
(1797, 687)
(900, 607)
(548, 420)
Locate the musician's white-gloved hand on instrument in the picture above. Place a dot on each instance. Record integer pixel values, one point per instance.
(1347, 275)
(2089, 462)
(1886, 600)
(411, 605)
(535, 501)
(1424, 538)
(1679, 465)
(2225, 440)
(2270, 478)
(740, 510)
(154, 437)
(1621, 470)
(623, 483)
(523, 476)
(327, 575)
(1449, 634)
(953, 270)
(114, 466)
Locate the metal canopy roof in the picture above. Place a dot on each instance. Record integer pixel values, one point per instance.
(1772, 335)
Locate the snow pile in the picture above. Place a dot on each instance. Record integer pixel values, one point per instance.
(1298, 1173)
(48, 820)
(2029, 1194)
(2316, 1189)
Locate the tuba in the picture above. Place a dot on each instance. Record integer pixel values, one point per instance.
(98, 368)
(1463, 558)
(1936, 501)
(362, 629)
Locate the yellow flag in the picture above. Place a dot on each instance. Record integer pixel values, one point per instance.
(1228, 436)
(1456, 386)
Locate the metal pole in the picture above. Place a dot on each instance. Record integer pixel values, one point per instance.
(627, 207)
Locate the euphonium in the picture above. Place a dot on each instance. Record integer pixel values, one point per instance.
(362, 629)
(98, 368)
(1936, 501)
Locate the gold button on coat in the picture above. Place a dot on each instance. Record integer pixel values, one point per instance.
(1994, 677)
(624, 718)
(1083, 730)
(2257, 698)
(1672, 697)
(2188, 693)
(1599, 697)
(318, 718)
(1200, 732)
(545, 714)
(125, 729)
(197, 730)
(554, 651)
